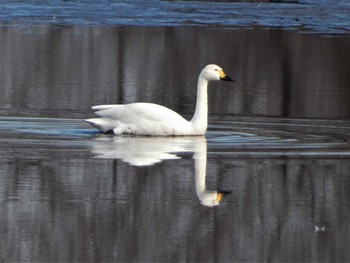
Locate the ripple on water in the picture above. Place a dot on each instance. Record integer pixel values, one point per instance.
(317, 16)
(238, 138)
(276, 137)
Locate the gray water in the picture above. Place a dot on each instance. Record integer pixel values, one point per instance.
(69, 194)
(322, 16)
(277, 147)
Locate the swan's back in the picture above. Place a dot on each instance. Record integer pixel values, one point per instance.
(140, 119)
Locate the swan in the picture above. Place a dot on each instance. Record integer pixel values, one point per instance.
(144, 151)
(207, 197)
(156, 120)
(141, 151)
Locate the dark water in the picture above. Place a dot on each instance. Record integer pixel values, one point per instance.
(68, 194)
(278, 144)
(62, 71)
(322, 16)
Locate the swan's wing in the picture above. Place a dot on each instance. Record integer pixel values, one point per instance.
(129, 113)
(140, 118)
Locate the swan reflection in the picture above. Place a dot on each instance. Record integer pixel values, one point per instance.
(144, 151)
(141, 151)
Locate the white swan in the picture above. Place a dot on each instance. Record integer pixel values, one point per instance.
(206, 196)
(143, 151)
(156, 120)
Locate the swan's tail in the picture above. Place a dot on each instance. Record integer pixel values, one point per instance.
(104, 107)
(100, 123)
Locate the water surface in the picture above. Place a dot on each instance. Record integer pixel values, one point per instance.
(325, 17)
(277, 147)
(62, 71)
(70, 194)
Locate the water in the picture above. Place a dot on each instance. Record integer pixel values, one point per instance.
(277, 148)
(278, 73)
(70, 194)
(329, 17)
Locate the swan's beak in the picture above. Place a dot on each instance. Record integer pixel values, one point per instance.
(218, 197)
(223, 76)
(221, 194)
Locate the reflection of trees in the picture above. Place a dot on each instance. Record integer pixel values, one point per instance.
(277, 72)
(75, 209)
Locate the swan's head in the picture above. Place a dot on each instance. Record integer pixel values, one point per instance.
(210, 198)
(214, 72)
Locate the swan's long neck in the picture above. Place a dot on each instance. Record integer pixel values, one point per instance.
(200, 164)
(200, 117)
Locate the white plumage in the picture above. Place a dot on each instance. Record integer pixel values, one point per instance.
(156, 120)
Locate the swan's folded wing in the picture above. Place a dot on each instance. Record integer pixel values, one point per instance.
(155, 112)
(130, 113)
(141, 119)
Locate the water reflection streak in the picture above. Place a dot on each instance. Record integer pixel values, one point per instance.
(144, 151)
(59, 202)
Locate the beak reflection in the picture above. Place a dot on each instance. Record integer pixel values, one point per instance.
(146, 151)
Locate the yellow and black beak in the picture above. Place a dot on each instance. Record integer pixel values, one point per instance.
(220, 194)
(224, 77)
(218, 197)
